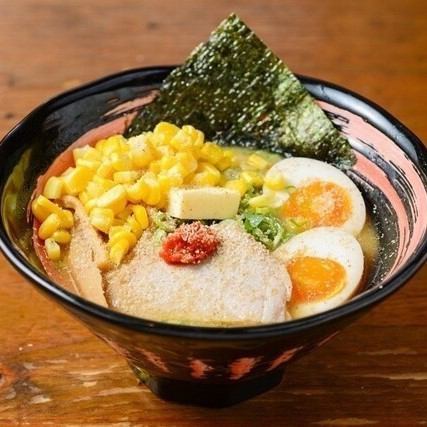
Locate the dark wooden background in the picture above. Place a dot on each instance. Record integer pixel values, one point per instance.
(52, 370)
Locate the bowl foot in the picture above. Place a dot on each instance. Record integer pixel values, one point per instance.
(207, 394)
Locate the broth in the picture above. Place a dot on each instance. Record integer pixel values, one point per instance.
(367, 238)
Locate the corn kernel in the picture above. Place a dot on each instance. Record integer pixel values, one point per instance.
(211, 153)
(189, 178)
(257, 162)
(67, 171)
(208, 168)
(40, 212)
(188, 161)
(84, 197)
(204, 180)
(224, 163)
(124, 234)
(118, 251)
(102, 219)
(178, 170)
(115, 199)
(135, 226)
(252, 178)
(42, 204)
(87, 152)
(275, 182)
(163, 202)
(167, 181)
(141, 156)
(53, 188)
(154, 193)
(93, 190)
(157, 140)
(167, 162)
(124, 226)
(164, 150)
(229, 154)
(261, 201)
(141, 215)
(90, 204)
(197, 136)
(208, 175)
(105, 169)
(121, 161)
(53, 250)
(99, 146)
(125, 177)
(138, 191)
(166, 131)
(106, 184)
(67, 218)
(238, 185)
(141, 141)
(76, 180)
(90, 164)
(112, 145)
(116, 229)
(155, 167)
(227, 161)
(175, 179)
(49, 226)
(181, 141)
(124, 146)
(61, 236)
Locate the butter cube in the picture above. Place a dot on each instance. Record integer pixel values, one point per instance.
(203, 203)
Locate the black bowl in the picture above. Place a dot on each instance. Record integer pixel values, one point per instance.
(220, 366)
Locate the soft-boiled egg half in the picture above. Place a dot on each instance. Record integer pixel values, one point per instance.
(325, 265)
(320, 195)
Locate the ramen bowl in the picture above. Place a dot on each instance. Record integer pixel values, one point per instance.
(220, 366)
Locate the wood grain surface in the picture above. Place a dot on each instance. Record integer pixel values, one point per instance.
(52, 370)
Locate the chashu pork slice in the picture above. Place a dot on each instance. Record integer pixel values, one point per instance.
(242, 284)
(87, 255)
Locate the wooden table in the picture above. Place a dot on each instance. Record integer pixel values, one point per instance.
(52, 370)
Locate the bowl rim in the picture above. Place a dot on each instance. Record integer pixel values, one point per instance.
(329, 92)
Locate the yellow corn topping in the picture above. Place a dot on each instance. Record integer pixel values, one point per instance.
(53, 188)
(257, 162)
(53, 250)
(61, 236)
(49, 226)
(123, 234)
(76, 180)
(275, 183)
(141, 216)
(114, 199)
(237, 184)
(102, 219)
(261, 201)
(67, 219)
(117, 178)
(119, 250)
(252, 178)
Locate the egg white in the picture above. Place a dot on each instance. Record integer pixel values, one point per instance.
(331, 243)
(301, 171)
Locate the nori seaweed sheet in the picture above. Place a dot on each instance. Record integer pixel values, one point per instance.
(238, 92)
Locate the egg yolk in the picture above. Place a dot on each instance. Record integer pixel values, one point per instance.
(315, 279)
(319, 203)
